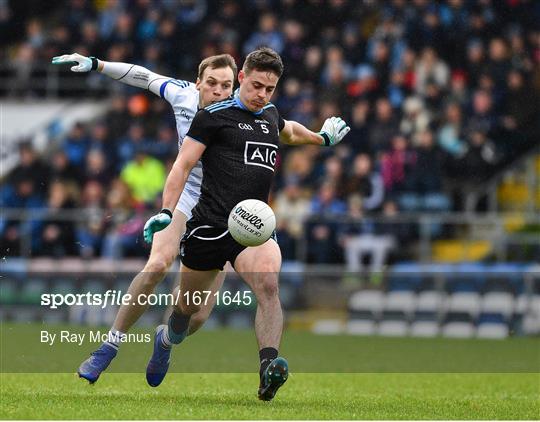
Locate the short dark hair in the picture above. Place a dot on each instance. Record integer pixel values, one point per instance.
(264, 59)
(218, 62)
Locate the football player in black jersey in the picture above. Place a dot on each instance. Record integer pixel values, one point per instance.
(237, 141)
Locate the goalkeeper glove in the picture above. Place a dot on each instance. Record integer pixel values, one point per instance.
(334, 130)
(156, 223)
(82, 63)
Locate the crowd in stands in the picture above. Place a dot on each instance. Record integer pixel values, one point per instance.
(437, 94)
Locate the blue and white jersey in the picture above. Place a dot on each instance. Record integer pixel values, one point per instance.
(184, 100)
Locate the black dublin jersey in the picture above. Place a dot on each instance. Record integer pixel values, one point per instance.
(239, 160)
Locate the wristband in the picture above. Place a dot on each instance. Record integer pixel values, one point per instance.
(326, 138)
(166, 211)
(95, 64)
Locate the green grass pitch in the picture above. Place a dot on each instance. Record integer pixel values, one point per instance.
(304, 396)
(213, 376)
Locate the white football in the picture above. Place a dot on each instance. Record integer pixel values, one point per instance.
(252, 222)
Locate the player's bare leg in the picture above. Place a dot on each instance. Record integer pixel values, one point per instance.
(165, 247)
(198, 319)
(259, 267)
(192, 286)
(164, 251)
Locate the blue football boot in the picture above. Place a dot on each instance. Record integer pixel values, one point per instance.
(98, 361)
(159, 362)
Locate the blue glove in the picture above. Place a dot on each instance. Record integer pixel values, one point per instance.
(156, 223)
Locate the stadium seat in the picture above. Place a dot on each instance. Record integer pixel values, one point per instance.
(464, 303)
(521, 304)
(431, 301)
(393, 328)
(466, 277)
(525, 304)
(367, 303)
(361, 327)
(505, 277)
(327, 326)
(458, 330)
(498, 303)
(530, 306)
(424, 329)
(531, 324)
(492, 330)
(405, 276)
(400, 301)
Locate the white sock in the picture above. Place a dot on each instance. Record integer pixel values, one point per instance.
(114, 338)
(165, 338)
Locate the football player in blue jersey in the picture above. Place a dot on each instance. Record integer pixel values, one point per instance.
(232, 137)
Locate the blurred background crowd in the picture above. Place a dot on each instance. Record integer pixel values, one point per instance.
(439, 96)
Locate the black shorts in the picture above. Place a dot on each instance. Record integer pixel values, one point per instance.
(205, 248)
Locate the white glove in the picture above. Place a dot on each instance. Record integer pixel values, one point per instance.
(82, 63)
(334, 130)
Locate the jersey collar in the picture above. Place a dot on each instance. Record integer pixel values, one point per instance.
(242, 106)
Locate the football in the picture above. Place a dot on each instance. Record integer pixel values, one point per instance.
(251, 222)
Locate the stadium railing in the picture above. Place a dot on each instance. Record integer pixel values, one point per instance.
(504, 232)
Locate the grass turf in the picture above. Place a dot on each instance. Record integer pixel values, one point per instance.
(304, 396)
(379, 378)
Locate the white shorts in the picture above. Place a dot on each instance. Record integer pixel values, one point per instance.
(190, 195)
(186, 203)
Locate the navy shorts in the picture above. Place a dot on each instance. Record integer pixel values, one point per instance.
(205, 248)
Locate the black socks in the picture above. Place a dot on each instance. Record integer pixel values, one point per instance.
(266, 355)
(178, 327)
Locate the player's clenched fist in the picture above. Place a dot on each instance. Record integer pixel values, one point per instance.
(156, 223)
(334, 130)
(82, 63)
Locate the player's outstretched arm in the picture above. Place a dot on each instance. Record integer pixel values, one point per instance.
(127, 73)
(190, 152)
(332, 133)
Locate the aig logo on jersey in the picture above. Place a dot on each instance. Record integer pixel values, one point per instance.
(260, 154)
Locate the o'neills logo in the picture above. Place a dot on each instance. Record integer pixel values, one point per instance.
(250, 218)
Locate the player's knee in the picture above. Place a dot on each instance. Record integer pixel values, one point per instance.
(268, 287)
(158, 265)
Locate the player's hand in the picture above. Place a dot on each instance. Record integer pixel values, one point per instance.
(334, 130)
(156, 223)
(82, 63)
